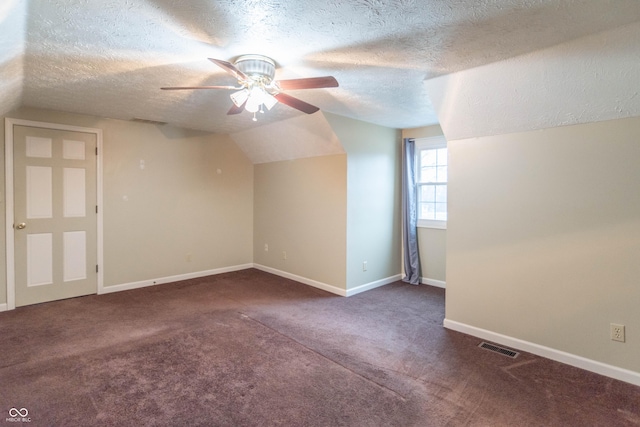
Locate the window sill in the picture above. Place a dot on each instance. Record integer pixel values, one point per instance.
(430, 223)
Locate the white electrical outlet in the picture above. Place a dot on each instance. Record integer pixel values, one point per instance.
(364, 266)
(284, 254)
(266, 247)
(617, 332)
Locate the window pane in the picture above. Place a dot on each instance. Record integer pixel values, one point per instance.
(431, 211)
(428, 174)
(441, 194)
(427, 211)
(428, 193)
(441, 174)
(432, 183)
(429, 158)
(442, 156)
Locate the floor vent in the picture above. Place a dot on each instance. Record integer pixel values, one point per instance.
(502, 350)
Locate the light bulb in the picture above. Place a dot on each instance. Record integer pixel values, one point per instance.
(252, 105)
(255, 100)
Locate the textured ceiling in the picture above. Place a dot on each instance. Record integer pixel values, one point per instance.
(12, 49)
(590, 79)
(110, 57)
(302, 136)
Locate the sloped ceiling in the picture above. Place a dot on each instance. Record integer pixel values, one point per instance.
(109, 58)
(590, 79)
(12, 50)
(294, 138)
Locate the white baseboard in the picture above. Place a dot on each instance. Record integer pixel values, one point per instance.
(310, 282)
(373, 285)
(550, 353)
(327, 287)
(434, 282)
(169, 279)
(3, 307)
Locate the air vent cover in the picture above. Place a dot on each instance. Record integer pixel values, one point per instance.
(151, 122)
(497, 349)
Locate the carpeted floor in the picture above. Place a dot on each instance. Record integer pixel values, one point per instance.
(252, 349)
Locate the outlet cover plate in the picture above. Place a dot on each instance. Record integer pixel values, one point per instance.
(617, 332)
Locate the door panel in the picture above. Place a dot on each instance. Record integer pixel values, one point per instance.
(54, 198)
(39, 259)
(74, 192)
(39, 192)
(74, 255)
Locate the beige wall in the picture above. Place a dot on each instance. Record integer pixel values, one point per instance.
(332, 213)
(301, 208)
(543, 237)
(373, 199)
(3, 271)
(197, 205)
(423, 132)
(178, 215)
(432, 242)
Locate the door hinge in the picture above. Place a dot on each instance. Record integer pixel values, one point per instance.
(96, 151)
(96, 268)
(96, 208)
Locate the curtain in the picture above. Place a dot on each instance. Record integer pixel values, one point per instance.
(410, 214)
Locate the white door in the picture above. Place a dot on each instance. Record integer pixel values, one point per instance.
(55, 220)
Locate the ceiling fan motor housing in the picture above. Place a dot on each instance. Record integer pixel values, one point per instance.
(257, 67)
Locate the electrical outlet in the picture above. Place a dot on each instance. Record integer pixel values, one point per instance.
(364, 266)
(266, 247)
(617, 332)
(188, 257)
(284, 254)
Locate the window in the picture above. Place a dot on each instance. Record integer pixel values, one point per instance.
(431, 167)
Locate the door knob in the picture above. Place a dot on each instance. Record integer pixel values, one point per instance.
(21, 226)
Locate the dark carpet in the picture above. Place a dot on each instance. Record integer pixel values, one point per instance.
(252, 349)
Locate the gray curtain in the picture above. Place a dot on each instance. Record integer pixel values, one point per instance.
(410, 214)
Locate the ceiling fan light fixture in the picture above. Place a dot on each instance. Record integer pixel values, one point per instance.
(269, 100)
(255, 100)
(256, 88)
(259, 97)
(239, 97)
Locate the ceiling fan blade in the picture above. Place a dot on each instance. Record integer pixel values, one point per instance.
(310, 83)
(296, 103)
(229, 68)
(200, 87)
(235, 109)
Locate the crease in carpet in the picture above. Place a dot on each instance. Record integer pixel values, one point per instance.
(290, 338)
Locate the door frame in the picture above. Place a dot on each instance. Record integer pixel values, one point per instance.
(9, 195)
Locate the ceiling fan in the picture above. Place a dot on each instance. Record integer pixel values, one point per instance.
(257, 89)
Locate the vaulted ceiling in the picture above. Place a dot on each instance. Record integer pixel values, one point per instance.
(109, 58)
